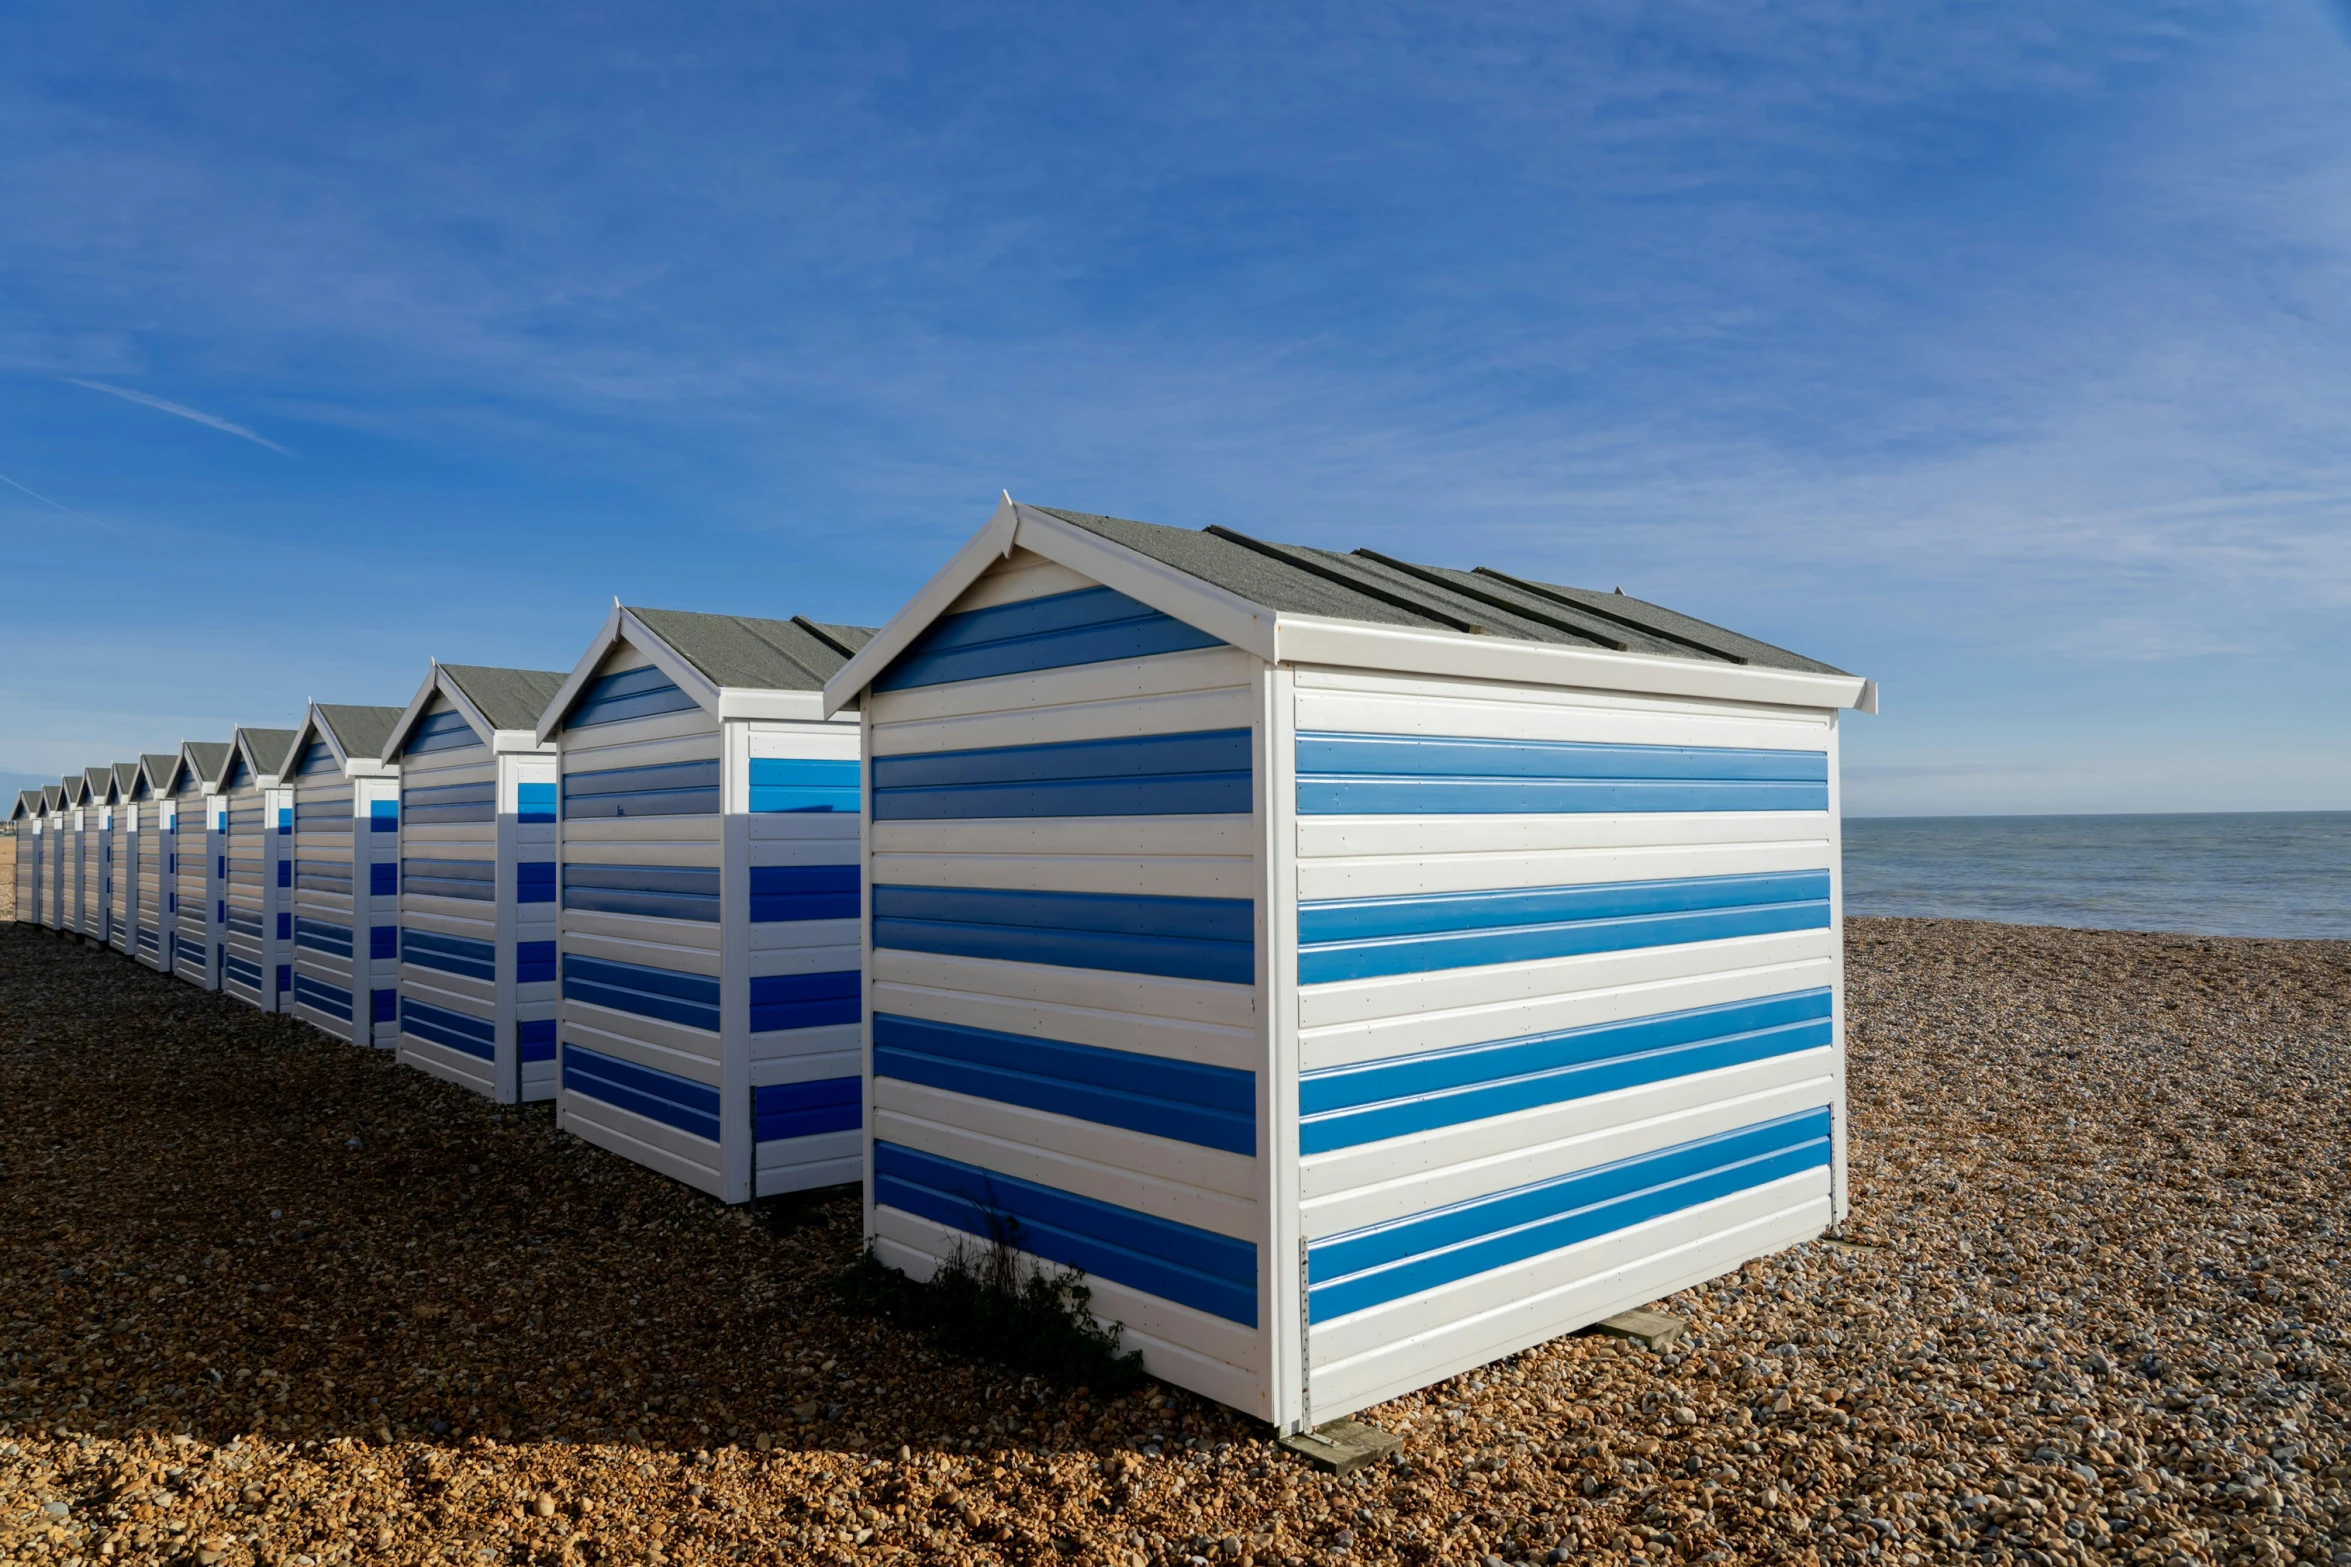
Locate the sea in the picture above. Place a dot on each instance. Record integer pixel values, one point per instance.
(2283, 873)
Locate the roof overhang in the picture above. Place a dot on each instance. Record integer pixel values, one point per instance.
(719, 701)
(265, 774)
(439, 682)
(1284, 638)
(315, 722)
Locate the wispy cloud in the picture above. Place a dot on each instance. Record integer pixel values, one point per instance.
(111, 527)
(182, 410)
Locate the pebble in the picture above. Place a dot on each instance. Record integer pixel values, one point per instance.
(2089, 1307)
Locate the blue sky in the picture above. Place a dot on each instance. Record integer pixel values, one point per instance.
(1996, 351)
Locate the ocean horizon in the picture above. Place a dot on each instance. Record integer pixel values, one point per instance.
(2219, 873)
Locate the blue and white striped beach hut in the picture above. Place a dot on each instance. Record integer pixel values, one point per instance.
(707, 887)
(346, 902)
(29, 817)
(1362, 970)
(253, 909)
(199, 861)
(95, 838)
(154, 897)
(57, 857)
(477, 880)
(122, 844)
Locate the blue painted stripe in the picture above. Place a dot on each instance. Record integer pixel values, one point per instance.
(239, 922)
(782, 894)
(1341, 1107)
(383, 816)
(1185, 938)
(1179, 1262)
(285, 927)
(243, 970)
(285, 977)
(534, 802)
(149, 941)
(323, 876)
(643, 692)
(1088, 626)
(475, 1036)
(444, 803)
(383, 941)
(317, 994)
(323, 815)
(1213, 1106)
(536, 1037)
(688, 999)
(475, 880)
(669, 789)
(668, 892)
(285, 873)
(803, 784)
(450, 954)
(660, 1096)
(186, 951)
(319, 936)
(1358, 1269)
(319, 757)
(383, 879)
(1203, 773)
(1414, 775)
(534, 881)
(534, 962)
(387, 1006)
(444, 729)
(1366, 938)
(829, 1104)
(787, 1001)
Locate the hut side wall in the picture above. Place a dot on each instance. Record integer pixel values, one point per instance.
(195, 888)
(97, 832)
(449, 903)
(256, 889)
(60, 866)
(346, 901)
(28, 870)
(1568, 1010)
(122, 897)
(1066, 1028)
(152, 907)
(527, 911)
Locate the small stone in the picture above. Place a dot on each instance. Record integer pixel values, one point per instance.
(1229, 1546)
(543, 1506)
(57, 1509)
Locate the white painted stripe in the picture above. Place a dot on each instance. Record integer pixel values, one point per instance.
(597, 745)
(803, 1164)
(450, 917)
(1200, 837)
(811, 1061)
(1178, 1039)
(1042, 984)
(694, 855)
(1404, 876)
(675, 1154)
(803, 837)
(451, 840)
(823, 740)
(1024, 574)
(1169, 876)
(439, 988)
(1028, 709)
(689, 946)
(804, 947)
(1475, 710)
(665, 1047)
(450, 1066)
(590, 840)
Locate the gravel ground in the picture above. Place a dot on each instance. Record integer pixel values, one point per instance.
(269, 1298)
(7, 875)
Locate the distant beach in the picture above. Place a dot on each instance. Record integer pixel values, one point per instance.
(2235, 874)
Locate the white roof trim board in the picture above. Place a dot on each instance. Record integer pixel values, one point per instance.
(439, 682)
(316, 722)
(719, 701)
(1286, 637)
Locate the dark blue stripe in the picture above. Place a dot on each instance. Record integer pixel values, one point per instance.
(319, 757)
(1362, 1268)
(1204, 773)
(670, 789)
(450, 954)
(1411, 775)
(643, 692)
(475, 1036)
(243, 970)
(1185, 938)
(1213, 1106)
(1366, 938)
(475, 880)
(285, 873)
(689, 999)
(186, 951)
(149, 940)
(445, 730)
(243, 924)
(322, 997)
(319, 936)
(383, 816)
(536, 1037)
(784, 893)
(323, 815)
(668, 892)
(383, 879)
(659, 1096)
(323, 876)
(1089, 626)
(534, 881)
(1341, 1107)
(534, 802)
(534, 963)
(785, 1001)
(441, 803)
(383, 941)
(1179, 1262)
(387, 1006)
(802, 784)
(830, 1104)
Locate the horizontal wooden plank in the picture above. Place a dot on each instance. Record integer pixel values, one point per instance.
(1012, 699)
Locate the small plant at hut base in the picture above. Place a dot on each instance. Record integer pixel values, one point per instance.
(987, 1305)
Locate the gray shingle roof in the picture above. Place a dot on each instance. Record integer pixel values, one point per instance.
(211, 758)
(95, 780)
(508, 698)
(53, 795)
(28, 802)
(361, 731)
(769, 655)
(1382, 590)
(268, 748)
(159, 766)
(126, 777)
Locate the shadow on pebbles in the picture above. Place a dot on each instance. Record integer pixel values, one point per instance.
(269, 1298)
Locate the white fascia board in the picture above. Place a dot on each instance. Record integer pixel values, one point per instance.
(982, 550)
(519, 742)
(621, 627)
(1225, 615)
(581, 673)
(757, 702)
(1307, 639)
(413, 713)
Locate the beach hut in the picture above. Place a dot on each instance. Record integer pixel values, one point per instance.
(155, 902)
(347, 874)
(30, 815)
(707, 900)
(57, 857)
(1362, 970)
(200, 860)
(122, 871)
(477, 880)
(252, 910)
(95, 837)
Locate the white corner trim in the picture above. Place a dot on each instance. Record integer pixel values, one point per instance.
(1868, 701)
(754, 702)
(1307, 639)
(982, 550)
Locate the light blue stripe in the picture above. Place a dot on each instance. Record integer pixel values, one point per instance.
(1058, 631)
(1411, 775)
(1367, 1267)
(794, 784)
(1368, 938)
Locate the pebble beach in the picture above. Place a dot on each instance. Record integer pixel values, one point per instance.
(271, 1299)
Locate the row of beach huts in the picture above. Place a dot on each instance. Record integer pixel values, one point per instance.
(1360, 969)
